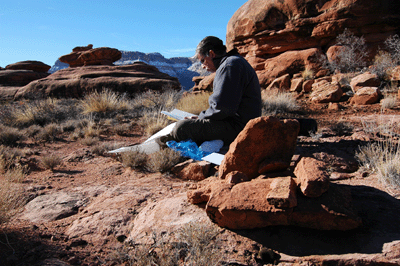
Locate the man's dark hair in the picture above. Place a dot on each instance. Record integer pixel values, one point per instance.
(211, 43)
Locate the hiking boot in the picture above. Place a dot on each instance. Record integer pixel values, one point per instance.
(162, 141)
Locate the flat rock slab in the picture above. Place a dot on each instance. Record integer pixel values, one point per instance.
(165, 216)
(54, 206)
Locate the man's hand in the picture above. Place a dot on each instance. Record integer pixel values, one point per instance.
(192, 117)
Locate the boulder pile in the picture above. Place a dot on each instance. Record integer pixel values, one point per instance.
(255, 187)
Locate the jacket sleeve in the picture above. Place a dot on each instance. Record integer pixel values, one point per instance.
(228, 90)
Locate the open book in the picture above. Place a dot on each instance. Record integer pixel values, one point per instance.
(177, 114)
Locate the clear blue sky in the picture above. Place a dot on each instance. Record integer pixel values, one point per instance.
(44, 30)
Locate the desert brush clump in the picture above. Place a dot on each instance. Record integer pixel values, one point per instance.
(104, 102)
(51, 161)
(39, 112)
(12, 197)
(383, 155)
(152, 122)
(194, 103)
(195, 243)
(353, 54)
(163, 160)
(280, 103)
(389, 102)
(10, 135)
(134, 159)
(9, 158)
(342, 128)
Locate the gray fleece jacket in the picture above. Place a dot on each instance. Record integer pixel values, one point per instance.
(236, 93)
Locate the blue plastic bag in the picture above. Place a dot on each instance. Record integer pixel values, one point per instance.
(188, 148)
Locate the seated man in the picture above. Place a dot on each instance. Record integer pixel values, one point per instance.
(236, 97)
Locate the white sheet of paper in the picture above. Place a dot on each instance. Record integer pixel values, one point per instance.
(215, 158)
(166, 130)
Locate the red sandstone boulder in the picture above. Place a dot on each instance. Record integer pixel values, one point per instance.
(296, 85)
(20, 77)
(282, 83)
(245, 206)
(312, 176)
(76, 82)
(366, 95)
(262, 30)
(204, 83)
(290, 62)
(364, 80)
(326, 92)
(191, 170)
(266, 144)
(283, 192)
(85, 56)
(35, 66)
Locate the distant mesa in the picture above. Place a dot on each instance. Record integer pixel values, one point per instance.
(87, 56)
(78, 81)
(35, 66)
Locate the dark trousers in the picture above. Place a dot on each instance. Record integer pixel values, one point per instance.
(200, 130)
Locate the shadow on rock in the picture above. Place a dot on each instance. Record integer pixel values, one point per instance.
(381, 224)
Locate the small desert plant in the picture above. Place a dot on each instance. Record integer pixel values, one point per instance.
(102, 148)
(307, 74)
(51, 161)
(279, 103)
(12, 197)
(92, 129)
(194, 103)
(156, 100)
(10, 135)
(103, 102)
(89, 141)
(342, 128)
(121, 129)
(389, 102)
(9, 158)
(382, 156)
(42, 112)
(48, 132)
(134, 159)
(383, 65)
(163, 160)
(69, 125)
(32, 131)
(199, 238)
(195, 245)
(152, 122)
(16, 174)
(353, 53)
(393, 46)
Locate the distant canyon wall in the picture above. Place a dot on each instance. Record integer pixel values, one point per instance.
(183, 68)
